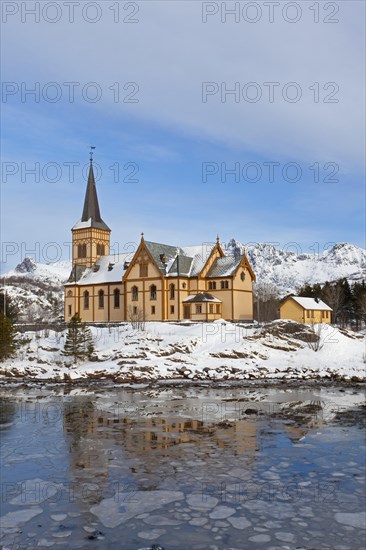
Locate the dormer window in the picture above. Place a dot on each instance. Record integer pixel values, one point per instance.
(163, 259)
(110, 266)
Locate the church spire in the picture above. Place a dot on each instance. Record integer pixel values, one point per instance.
(91, 212)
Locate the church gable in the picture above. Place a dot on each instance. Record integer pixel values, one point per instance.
(143, 265)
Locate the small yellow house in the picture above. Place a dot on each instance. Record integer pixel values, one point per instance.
(158, 282)
(305, 310)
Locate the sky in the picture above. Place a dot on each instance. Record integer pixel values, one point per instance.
(237, 119)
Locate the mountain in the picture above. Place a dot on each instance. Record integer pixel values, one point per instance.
(37, 288)
(288, 271)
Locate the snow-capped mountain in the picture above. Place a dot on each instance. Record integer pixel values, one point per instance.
(38, 292)
(37, 289)
(288, 271)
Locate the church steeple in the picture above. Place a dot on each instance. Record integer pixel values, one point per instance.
(90, 235)
(91, 211)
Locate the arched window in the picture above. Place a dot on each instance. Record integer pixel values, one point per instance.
(224, 284)
(100, 249)
(212, 285)
(116, 295)
(69, 294)
(101, 299)
(86, 300)
(135, 293)
(153, 292)
(83, 251)
(172, 291)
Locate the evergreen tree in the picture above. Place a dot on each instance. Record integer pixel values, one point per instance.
(7, 337)
(7, 305)
(79, 341)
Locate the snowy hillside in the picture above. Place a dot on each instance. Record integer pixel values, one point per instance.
(195, 351)
(37, 288)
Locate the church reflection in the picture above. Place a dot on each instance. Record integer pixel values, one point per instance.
(95, 436)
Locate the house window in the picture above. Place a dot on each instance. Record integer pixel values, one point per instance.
(101, 299)
(172, 310)
(86, 300)
(198, 309)
(116, 295)
(69, 310)
(153, 292)
(152, 310)
(211, 308)
(143, 270)
(212, 285)
(135, 293)
(172, 291)
(218, 308)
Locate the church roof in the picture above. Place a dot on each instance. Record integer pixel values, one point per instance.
(108, 269)
(225, 266)
(202, 297)
(91, 214)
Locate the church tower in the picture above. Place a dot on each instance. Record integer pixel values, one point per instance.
(90, 235)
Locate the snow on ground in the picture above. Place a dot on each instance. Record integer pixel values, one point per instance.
(195, 351)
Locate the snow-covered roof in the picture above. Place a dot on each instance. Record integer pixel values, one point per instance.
(311, 303)
(110, 270)
(191, 258)
(225, 266)
(199, 254)
(91, 223)
(201, 297)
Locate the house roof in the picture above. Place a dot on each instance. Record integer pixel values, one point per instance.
(202, 297)
(91, 214)
(311, 303)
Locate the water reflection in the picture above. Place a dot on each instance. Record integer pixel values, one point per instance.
(198, 467)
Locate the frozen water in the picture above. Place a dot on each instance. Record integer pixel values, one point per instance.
(357, 519)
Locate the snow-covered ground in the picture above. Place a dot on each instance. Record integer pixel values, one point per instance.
(214, 351)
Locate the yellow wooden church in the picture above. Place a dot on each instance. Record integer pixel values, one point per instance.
(158, 282)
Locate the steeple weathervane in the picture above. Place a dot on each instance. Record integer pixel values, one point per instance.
(92, 147)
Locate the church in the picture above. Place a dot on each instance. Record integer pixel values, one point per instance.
(158, 282)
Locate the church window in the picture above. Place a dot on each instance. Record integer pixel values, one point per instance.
(86, 300)
(153, 292)
(172, 291)
(143, 270)
(218, 308)
(172, 310)
(69, 310)
(135, 293)
(242, 276)
(198, 309)
(69, 293)
(152, 310)
(101, 299)
(116, 295)
(212, 285)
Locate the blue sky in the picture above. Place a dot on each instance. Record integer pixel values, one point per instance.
(170, 135)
